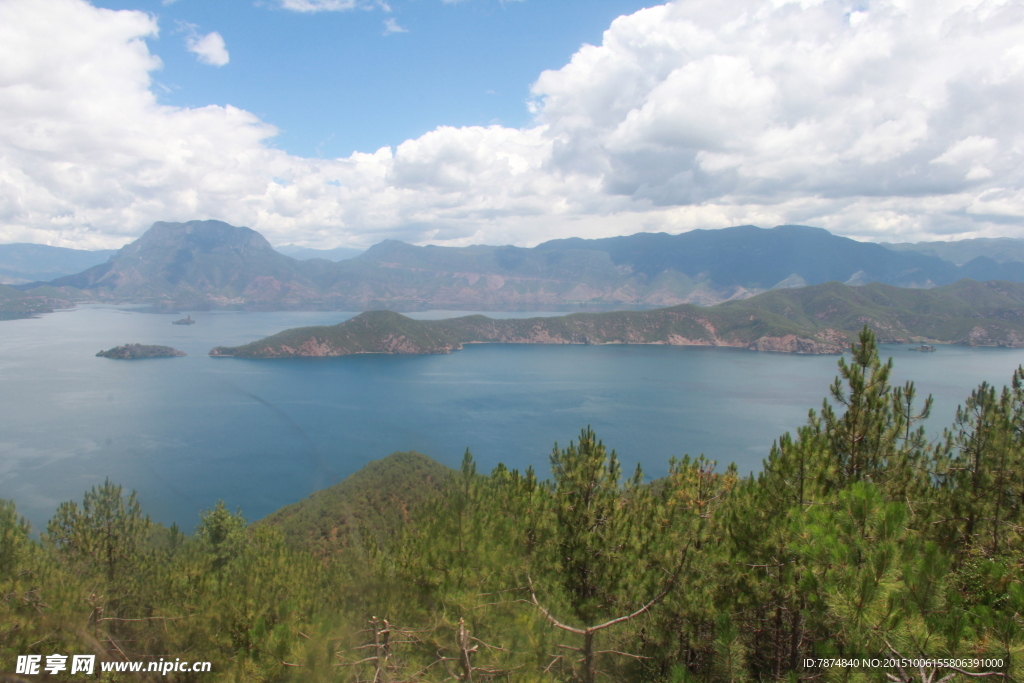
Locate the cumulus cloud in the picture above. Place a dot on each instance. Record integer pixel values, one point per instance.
(330, 5)
(878, 119)
(209, 49)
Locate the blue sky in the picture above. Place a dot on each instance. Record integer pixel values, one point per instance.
(515, 122)
(337, 82)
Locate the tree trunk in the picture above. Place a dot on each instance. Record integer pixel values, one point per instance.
(464, 652)
(589, 666)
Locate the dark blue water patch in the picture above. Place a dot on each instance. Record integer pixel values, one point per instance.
(186, 432)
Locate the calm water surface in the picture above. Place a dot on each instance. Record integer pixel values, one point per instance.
(186, 432)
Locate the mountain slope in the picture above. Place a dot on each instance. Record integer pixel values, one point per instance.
(815, 319)
(377, 499)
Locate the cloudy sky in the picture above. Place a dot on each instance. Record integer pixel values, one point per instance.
(344, 122)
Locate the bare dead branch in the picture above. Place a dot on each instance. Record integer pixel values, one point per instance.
(43, 638)
(500, 602)
(556, 658)
(928, 678)
(488, 645)
(547, 614)
(361, 661)
(977, 675)
(507, 590)
(142, 619)
(624, 654)
(111, 641)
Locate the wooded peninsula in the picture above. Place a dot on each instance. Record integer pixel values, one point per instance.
(815, 319)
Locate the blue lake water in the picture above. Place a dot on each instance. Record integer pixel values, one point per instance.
(186, 432)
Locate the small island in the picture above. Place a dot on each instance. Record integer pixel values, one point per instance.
(187, 320)
(136, 351)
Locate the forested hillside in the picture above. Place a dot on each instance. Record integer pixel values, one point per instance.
(15, 304)
(378, 499)
(860, 538)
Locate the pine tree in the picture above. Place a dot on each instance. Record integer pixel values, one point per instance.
(873, 437)
(979, 470)
(608, 541)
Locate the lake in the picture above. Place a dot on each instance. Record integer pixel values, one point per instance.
(259, 434)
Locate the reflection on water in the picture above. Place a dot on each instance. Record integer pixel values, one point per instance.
(186, 432)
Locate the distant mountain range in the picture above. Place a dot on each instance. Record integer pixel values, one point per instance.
(21, 263)
(960, 252)
(204, 264)
(815, 319)
(305, 253)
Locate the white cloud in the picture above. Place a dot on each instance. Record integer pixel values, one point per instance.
(209, 49)
(391, 26)
(329, 5)
(879, 119)
(788, 107)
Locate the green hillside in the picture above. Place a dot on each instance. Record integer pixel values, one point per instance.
(371, 332)
(965, 312)
(378, 499)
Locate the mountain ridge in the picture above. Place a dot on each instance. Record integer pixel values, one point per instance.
(960, 252)
(24, 262)
(210, 264)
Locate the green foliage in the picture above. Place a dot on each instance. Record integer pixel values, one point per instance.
(598, 525)
(221, 533)
(872, 438)
(979, 471)
(104, 535)
(855, 550)
(41, 603)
